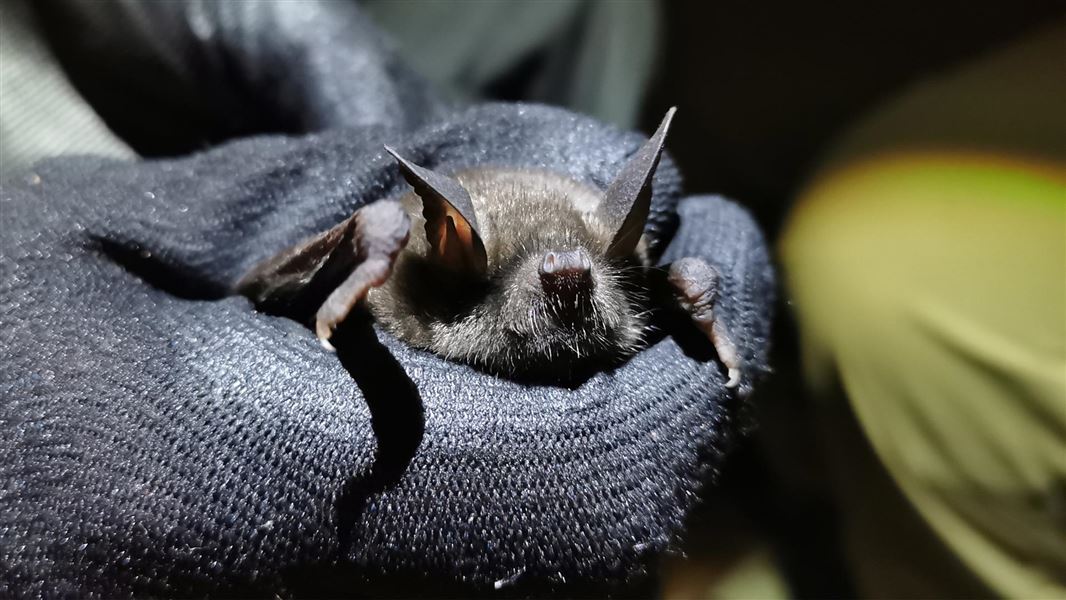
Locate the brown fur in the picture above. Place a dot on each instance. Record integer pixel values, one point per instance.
(502, 321)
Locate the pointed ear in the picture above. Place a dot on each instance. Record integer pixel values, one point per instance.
(451, 225)
(628, 199)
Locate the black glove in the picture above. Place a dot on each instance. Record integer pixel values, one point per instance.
(162, 438)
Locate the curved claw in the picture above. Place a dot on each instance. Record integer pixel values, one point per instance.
(734, 378)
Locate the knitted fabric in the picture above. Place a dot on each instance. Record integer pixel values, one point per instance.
(158, 436)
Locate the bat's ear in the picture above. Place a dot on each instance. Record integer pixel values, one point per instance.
(628, 199)
(451, 225)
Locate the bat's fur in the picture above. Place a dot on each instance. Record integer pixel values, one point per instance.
(528, 273)
(504, 322)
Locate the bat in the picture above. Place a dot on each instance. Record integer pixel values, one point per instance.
(514, 271)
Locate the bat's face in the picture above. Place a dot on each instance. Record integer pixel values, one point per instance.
(521, 272)
(551, 297)
(564, 305)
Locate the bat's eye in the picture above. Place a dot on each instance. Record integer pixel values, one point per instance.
(566, 278)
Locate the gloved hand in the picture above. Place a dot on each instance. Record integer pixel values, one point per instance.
(160, 437)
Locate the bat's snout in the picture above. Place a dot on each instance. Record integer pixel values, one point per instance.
(561, 265)
(566, 277)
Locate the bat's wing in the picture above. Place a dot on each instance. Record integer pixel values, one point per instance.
(328, 273)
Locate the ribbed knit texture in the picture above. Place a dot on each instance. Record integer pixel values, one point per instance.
(160, 437)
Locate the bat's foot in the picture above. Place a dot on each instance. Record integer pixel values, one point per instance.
(379, 232)
(695, 285)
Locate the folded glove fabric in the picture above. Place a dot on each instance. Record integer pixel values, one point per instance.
(159, 436)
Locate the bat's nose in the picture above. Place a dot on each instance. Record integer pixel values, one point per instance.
(566, 278)
(569, 263)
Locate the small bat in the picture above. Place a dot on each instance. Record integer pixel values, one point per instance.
(514, 271)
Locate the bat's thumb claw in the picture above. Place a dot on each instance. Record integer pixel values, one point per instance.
(324, 331)
(734, 378)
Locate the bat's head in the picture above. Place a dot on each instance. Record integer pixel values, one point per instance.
(527, 273)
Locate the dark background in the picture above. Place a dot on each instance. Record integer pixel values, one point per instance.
(763, 88)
